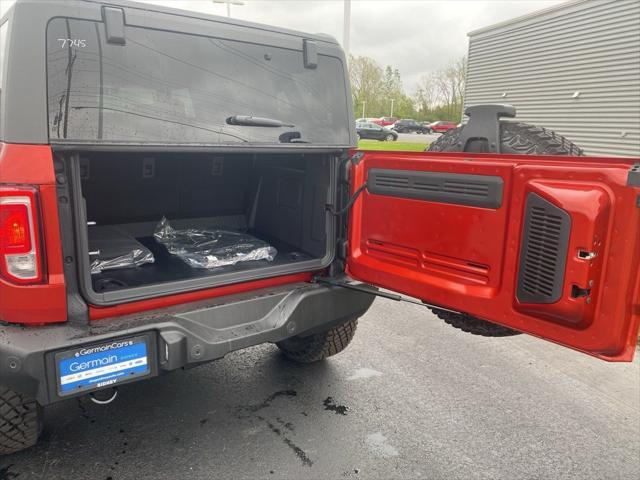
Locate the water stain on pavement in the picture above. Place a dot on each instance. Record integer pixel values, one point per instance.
(329, 404)
(350, 473)
(301, 454)
(379, 445)
(267, 402)
(364, 373)
(254, 409)
(287, 425)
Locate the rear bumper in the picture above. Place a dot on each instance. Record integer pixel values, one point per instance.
(181, 336)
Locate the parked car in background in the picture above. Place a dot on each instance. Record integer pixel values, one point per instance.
(364, 119)
(409, 125)
(375, 132)
(442, 126)
(384, 121)
(427, 127)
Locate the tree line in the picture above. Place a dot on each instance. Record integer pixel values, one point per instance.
(438, 96)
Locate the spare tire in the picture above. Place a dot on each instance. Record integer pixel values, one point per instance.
(515, 138)
(473, 325)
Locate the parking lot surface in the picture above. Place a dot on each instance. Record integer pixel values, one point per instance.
(410, 398)
(418, 137)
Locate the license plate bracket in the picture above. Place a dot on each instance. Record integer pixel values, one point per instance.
(106, 364)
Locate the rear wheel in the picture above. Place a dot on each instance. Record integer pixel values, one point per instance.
(20, 421)
(319, 346)
(515, 138)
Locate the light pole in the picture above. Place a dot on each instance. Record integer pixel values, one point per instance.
(363, 104)
(229, 3)
(346, 27)
(392, 100)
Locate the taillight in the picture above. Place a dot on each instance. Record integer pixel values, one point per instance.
(20, 251)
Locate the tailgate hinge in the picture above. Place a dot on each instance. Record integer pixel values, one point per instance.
(343, 202)
(365, 288)
(344, 180)
(349, 204)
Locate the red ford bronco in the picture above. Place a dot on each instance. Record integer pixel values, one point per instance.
(115, 116)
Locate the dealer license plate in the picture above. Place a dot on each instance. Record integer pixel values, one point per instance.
(102, 365)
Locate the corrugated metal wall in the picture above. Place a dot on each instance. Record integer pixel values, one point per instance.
(539, 62)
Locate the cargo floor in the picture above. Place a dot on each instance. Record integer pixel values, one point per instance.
(169, 268)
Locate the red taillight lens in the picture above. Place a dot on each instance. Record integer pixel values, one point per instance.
(20, 253)
(15, 231)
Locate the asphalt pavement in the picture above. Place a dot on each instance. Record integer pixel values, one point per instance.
(418, 137)
(410, 398)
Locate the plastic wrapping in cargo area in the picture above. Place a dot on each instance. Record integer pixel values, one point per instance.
(275, 201)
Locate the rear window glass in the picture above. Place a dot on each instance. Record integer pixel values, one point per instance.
(167, 87)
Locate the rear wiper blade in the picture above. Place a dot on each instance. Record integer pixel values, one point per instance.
(249, 121)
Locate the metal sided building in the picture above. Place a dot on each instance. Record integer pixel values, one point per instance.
(573, 68)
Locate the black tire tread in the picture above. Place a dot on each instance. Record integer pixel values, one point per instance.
(20, 421)
(516, 138)
(526, 139)
(473, 325)
(319, 346)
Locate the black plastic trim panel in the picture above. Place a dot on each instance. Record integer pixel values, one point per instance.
(543, 253)
(484, 191)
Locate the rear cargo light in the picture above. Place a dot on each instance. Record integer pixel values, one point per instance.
(20, 253)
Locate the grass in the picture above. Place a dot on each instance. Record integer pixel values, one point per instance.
(406, 146)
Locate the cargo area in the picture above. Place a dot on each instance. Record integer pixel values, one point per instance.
(276, 202)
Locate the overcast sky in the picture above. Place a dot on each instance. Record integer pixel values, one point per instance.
(415, 36)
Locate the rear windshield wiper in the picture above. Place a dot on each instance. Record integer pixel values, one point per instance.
(249, 121)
